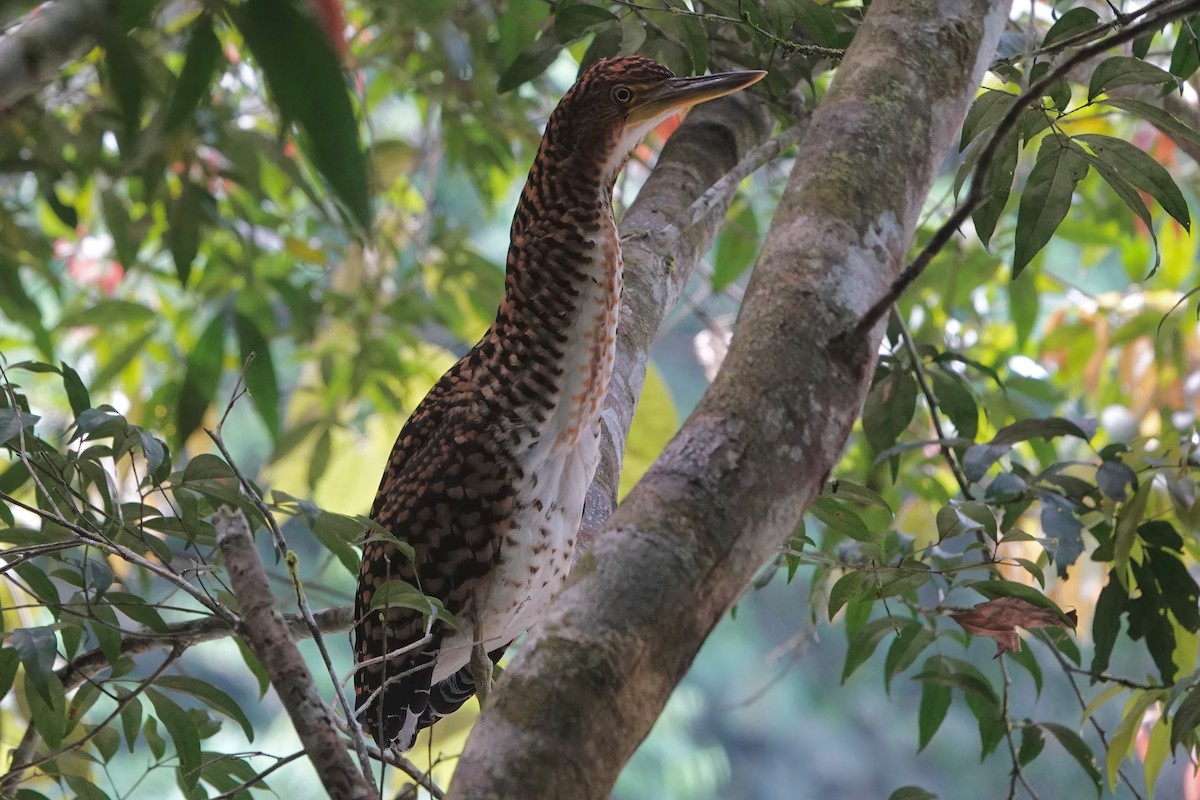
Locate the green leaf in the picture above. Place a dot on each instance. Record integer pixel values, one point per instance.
(305, 78)
(182, 729)
(1060, 524)
(1185, 56)
(202, 376)
(205, 467)
(260, 377)
(1032, 743)
(36, 648)
(839, 517)
(889, 409)
(1046, 198)
(935, 702)
(817, 21)
(1045, 428)
(905, 648)
(211, 696)
(846, 587)
(1106, 622)
(863, 643)
(1186, 719)
(184, 216)
(1077, 748)
(988, 109)
(131, 716)
(199, 69)
(1112, 477)
(736, 247)
(77, 393)
(1123, 738)
(997, 184)
(12, 421)
(573, 21)
(9, 661)
(1023, 300)
(48, 709)
(1179, 589)
(1129, 517)
(126, 81)
(1072, 22)
(912, 793)
(107, 313)
(955, 400)
(1164, 120)
(529, 64)
(1125, 71)
(1139, 168)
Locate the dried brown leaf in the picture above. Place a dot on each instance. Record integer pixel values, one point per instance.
(999, 619)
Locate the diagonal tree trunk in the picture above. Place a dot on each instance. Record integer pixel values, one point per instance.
(731, 486)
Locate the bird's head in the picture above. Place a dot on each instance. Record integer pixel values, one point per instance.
(617, 101)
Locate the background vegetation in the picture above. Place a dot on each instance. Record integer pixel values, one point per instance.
(280, 222)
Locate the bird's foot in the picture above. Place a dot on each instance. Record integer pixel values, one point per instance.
(481, 667)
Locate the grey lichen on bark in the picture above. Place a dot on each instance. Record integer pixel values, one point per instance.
(730, 488)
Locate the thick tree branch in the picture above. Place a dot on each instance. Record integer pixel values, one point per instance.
(731, 486)
(262, 628)
(52, 36)
(663, 236)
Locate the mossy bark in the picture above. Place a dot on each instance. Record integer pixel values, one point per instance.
(729, 489)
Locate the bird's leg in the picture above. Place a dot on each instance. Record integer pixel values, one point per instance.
(481, 665)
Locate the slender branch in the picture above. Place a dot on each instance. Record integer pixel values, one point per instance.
(15, 772)
(263, 630)
(1068, 671)
(1016, 774)
(935, 415)
(238, 790)
(723, 190)
(356, 734)
(978, 191)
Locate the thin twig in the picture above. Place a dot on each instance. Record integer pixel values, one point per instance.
(935, 415)
(1068, 671)
(1016, 774)
(281, 761)
(14, 773)
(719, 192)
(356, 734)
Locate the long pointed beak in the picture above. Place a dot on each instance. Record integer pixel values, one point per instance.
(676, 94)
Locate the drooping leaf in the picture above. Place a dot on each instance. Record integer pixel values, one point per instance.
(1119, 71)
(210, 695)
(1164, 120)
(1046, 198)
(182, 729)
(304, 75)
(202, 376)
(889, 409)
(1139, 168)
(199, 68)
(1074, 21)
(260, 376)
(36, 649)
(573, 21)
(1078, 750)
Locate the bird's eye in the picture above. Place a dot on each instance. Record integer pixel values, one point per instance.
(622, 94)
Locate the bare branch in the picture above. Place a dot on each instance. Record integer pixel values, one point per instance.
(263, 629)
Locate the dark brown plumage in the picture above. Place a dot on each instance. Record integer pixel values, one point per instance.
(487, 479)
